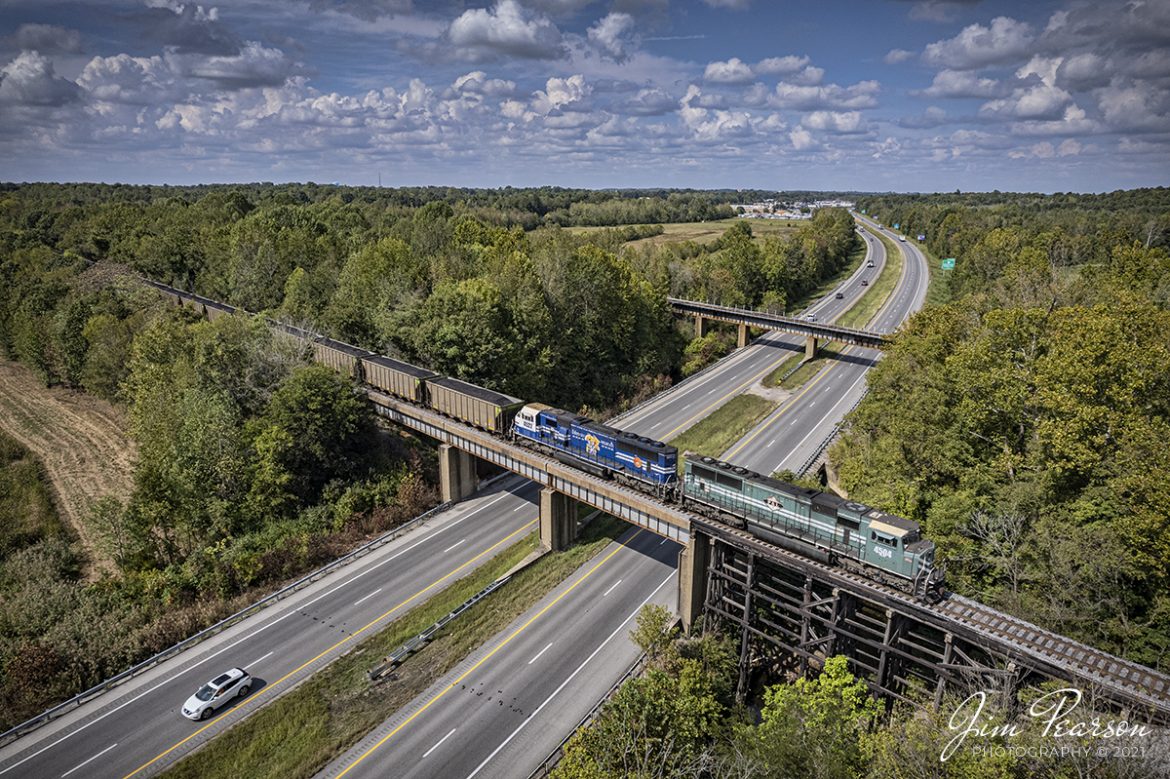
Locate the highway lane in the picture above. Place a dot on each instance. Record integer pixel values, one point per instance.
(787, 437)
(696, 397)
(506, 706)
(137, 728)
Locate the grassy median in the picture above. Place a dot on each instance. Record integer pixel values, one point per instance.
(879, 290)
(714, 434)
(299, 733)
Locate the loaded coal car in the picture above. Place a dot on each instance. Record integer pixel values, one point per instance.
(397, 378)
(597, 448)
(820, 525)
(340, 356)
(483, 408)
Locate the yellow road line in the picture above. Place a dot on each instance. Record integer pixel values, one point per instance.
(486, 657)
(350, 637)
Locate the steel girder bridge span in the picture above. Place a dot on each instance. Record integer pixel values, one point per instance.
(813, 332)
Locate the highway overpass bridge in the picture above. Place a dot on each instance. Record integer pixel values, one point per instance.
(786, 603)
(705, 313)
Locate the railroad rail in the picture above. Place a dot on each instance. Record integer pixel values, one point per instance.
(769, 321)
(897, 640)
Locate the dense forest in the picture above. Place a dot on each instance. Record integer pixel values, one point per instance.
(254, 465)
(1025, 422)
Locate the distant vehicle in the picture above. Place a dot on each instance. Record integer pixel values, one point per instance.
(870, 265)
(902, 238)
(865, 282)
(840, 296)
(810, 317)
(216, 693)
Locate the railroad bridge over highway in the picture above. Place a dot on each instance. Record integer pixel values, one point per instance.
(786, 604)
(814, 332)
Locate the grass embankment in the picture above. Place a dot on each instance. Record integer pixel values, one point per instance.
(715, 433)
(26, 504)
(938, 292)
(299, 733)
(879, 289)
(856, 257)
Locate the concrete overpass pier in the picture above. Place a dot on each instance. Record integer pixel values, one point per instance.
(693, 562)
(810, 347)
(457, 478)
(742, 340)
(702, 327)
(558, 520)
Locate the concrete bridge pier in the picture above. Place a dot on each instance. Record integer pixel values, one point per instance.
(457, 478)
(810, 347)
(558, 520)
(702, 327)
(742, 340)
(693, 563)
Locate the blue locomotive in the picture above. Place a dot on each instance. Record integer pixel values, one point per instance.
(597, 448)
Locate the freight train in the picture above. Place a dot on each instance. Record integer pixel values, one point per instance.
(820, 525)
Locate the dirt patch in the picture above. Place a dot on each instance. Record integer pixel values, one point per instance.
(82, 442)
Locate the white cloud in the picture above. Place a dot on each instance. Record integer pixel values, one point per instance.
(1040, 101)
(607, 35)
(733, 71)
(802, 139)
(477, 82)
(254, 65)
(1070, 147)
(507, 29)
(829, 97)
(560, 94)
(977, 46)
(31, 80)
(1136, 106)
(960, 84)
(651, 101)
(835, 121)
(894, 56)
(774, 66)
(1074, 122)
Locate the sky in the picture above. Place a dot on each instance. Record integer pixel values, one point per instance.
(880, 95)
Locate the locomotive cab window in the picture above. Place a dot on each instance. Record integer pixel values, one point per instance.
(883, 540)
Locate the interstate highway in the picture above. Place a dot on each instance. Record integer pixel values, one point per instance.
(137, 726)
(788, 436)
(670, 413)
(509, 704)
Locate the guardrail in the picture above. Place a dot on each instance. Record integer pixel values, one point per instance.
(48, 715)
(820, 450)
(554, 757)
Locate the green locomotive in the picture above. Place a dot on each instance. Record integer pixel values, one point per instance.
(820, 525)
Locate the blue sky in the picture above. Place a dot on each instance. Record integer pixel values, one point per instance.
(903, 95)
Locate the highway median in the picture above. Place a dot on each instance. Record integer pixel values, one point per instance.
(300, 732)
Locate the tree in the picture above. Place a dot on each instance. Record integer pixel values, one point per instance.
(820, 728)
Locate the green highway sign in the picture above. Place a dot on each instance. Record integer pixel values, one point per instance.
(948, 263)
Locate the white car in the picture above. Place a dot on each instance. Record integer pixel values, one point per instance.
(810, 317)
(217, 692)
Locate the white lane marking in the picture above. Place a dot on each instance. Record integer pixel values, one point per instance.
(663, 541)
(570, 678)
(770, 443)
(87, 762)
(518, 508)
(367, 597)
(457, 543)
(844, 395)
(538, 654)
(261, 660)
(256, 632)
(810, 405)
(611, 589)
(713, 390)
(440, 741)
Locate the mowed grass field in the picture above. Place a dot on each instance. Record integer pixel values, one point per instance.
(706, 232)
(81, 442)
